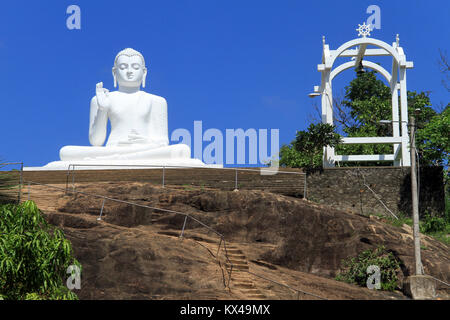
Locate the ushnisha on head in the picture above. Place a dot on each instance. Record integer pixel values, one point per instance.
(129, 69)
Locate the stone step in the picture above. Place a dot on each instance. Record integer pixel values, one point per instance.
(207, 297)
(251, 291)
(238, 266)
(236, 256)
(234, 251)
(240, 277)
(256, 296)
(243, 285)
(237, 261)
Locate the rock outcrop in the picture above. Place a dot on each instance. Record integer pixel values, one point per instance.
(136, 252)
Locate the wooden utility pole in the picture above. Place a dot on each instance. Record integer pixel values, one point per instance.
(415, 200)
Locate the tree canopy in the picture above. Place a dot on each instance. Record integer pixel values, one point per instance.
(366, 102)
(307, 149)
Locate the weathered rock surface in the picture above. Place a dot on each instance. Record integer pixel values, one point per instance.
(135, 252)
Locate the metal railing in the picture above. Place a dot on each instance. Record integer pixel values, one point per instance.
(20, 176)
(438, 280)
(104, 198)
(222, 239)
(71, 172)
(374, 193)
(221, 236)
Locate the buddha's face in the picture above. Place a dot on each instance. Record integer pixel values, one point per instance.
(130, 71)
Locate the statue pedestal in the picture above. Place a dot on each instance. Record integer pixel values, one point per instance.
(122, 164)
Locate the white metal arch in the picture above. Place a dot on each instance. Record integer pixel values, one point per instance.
(364, 41)
(397, 82)
(367, 64)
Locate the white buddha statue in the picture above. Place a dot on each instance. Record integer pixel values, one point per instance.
(139, 124)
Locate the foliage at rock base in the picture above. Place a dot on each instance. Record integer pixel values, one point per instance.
(34, 256)
(355, 268)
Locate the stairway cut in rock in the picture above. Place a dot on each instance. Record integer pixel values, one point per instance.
(240, 278)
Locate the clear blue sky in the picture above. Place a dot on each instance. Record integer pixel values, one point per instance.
(232, 64)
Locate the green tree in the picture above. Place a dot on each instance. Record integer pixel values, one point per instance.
(433, 141)
(34, 256)
(433, 137)
(367, 101)
(307, 149)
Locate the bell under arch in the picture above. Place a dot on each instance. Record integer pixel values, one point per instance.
(397, 83)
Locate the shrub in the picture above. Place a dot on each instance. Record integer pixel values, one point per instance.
(431, 224)
(355, 268)
(34, 256)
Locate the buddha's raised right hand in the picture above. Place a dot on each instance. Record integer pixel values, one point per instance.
(103, 101)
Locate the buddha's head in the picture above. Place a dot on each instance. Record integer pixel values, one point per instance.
(129, 69)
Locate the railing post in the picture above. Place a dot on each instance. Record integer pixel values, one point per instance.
(184, 225)
(67, 178)
(101, 210)
(163, 178)
(73, 179)
(20, 181)
(304, 189)
(231, 271)
(218, 249)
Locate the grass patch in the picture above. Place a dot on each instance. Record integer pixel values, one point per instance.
(433, 226)
(402, 219)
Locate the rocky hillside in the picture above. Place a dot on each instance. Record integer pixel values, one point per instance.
(137, 253)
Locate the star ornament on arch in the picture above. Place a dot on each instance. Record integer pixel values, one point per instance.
(363, 30)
